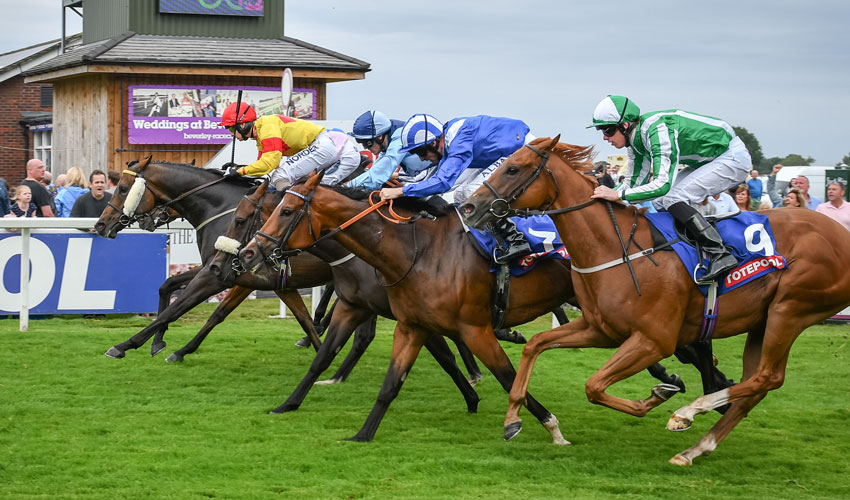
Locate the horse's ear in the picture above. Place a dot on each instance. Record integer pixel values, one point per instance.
(314, 179)
(144, 163)
(193, 162)
(553, 142)
(261, 189)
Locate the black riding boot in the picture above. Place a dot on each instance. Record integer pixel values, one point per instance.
(517, 246)
(721, 261)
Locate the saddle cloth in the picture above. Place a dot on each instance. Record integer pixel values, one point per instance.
(747, 235)
(539, 231)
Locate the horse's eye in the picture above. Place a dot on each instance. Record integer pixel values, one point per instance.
(512, 170)
(285, 212)
(239, 222)
(123, 189)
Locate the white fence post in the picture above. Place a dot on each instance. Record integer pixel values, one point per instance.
(25, 280)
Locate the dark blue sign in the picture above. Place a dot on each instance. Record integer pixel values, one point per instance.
(84, 274)
(252, 8)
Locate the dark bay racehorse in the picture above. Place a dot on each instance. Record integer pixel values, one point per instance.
(360, 298)
(773, 310)
(207, 201)
(436, 282)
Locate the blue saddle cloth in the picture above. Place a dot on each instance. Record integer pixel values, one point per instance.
(541, 234)
(750, 239)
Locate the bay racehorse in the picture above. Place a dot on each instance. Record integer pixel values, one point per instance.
(645, 328)
(360, 298)
(206, 200)
(436, 282)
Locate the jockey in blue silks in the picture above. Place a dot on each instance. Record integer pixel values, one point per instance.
(382, 136)
(468, 151)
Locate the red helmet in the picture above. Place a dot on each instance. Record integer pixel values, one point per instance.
(246, 114)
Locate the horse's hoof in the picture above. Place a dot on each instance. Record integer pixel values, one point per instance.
(473, 381)
(358, 439)
(284, 408)
(157, 348)
(114, 352)
(303, 342)
(665, 391)
(678, 423)
(681, 461)
(330, 381)
(512, 429)
(678, 382)
(174, 358)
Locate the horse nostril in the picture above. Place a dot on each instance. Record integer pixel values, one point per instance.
(248, 254)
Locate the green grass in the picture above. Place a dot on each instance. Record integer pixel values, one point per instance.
(75, 424)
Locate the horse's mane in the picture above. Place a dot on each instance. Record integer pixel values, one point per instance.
(241, 181)
(579, 158)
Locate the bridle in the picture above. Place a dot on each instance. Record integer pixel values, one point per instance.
(501, 206)
(278, 254)
(256, 219)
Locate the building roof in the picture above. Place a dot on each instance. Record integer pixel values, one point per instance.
(18, 61)
(159, 50)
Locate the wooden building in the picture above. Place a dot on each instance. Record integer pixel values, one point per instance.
(137, 46)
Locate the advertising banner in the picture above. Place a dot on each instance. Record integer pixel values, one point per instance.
(253, 8)
(172, 114)
(80, 273)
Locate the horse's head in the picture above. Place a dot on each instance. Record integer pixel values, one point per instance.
(284, 228)
(247, 219)
(130, 197)
(518, 182)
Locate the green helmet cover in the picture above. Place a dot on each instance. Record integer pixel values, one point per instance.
(614, 110)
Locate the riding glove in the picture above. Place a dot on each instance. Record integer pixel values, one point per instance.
(232, 171)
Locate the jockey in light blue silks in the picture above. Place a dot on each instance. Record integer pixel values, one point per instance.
(382, 136)
(468, 151)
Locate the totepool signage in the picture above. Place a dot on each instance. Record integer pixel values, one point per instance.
(252, 8)
(76, 273)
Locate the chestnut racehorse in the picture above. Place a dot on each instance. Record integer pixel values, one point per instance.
(773, 310)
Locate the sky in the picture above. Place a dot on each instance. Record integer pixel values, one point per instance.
(779, 68)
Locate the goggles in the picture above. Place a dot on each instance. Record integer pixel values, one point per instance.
(608, 130)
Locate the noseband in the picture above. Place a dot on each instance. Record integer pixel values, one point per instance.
(235, 262)
(501, 206)
(278, 254)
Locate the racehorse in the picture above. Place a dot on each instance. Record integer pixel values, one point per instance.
(436, 282)
(773, 310)
(205, 199)
(360, 298)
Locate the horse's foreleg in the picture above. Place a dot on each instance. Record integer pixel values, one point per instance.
(324, 300)
(637, 353)
(203, 285)
(173, 284)
(234, 297)
(295, 303)
(364, 334)
(700, 355)
(738, 410)
(575, 334)
(439, 348)
(406, 345)
(346, 317)
(474, 373)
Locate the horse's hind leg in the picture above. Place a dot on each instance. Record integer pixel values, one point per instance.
(364, 334)
(346, 317)
(438, 348)
(737, 411)
(474, 373)
(234, 297)
(322, 316)
(295, 303)
(167, 288)
(407, 343)
(659, 373)
(700, 355)
(202, 286)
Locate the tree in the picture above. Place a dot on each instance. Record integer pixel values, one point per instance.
(795, 159)
(754, 148)
(844, 161)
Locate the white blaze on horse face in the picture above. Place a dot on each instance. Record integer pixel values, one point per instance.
(134, 197)
(227, 245)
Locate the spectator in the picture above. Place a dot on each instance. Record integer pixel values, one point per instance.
(40, 196)
(836, 208)
(23, 206)
(76, 188)
(4, 199)
(92, 203)
(756, 188)
(801, 182)
(723, 203)
(112, 178)
(602, 175)
(742, 198)
(61, 180)
(794, 199)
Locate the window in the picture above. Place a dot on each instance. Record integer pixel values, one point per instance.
(42, 142)
(47, 96)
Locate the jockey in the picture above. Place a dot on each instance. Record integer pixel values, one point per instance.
(468, 151)
(288, 148)
(382, 136)
(712, 156)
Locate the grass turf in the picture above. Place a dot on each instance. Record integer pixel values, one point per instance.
(75, 424)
